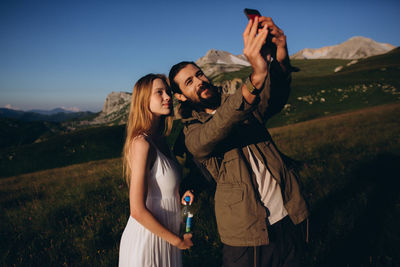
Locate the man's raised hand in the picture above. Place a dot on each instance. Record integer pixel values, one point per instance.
(254, 39)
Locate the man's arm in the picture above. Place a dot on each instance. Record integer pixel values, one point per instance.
(201, 138)
(254, 40)
(275, 93)
(276, 88)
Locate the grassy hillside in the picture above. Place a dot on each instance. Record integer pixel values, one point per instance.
(318, 91)
(17, 133)
(63, 150)
(74, 216)
(58, 150)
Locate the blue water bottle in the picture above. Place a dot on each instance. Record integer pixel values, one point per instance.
(187, 214)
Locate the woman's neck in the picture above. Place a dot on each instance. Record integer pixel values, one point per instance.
(155, 131)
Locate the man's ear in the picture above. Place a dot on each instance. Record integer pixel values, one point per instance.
(180, 97)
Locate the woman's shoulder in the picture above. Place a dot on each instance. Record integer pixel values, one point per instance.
(140, 142)
(141, 147)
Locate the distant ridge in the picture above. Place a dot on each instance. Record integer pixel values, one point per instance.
(354, 48)
(218, 61)
(54, 111)
(55, 115)
(222, 57)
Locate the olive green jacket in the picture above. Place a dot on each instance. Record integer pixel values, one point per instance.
(219, 143)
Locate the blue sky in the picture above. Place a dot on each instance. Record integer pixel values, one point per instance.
(74, 53)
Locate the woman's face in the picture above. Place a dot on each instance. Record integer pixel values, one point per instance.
(160, 99)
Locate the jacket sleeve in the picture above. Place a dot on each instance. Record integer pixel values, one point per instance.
(202, 138)
(275, 93)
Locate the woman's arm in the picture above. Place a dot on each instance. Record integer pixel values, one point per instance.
(139, 160)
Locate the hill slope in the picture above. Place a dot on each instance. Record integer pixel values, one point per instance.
(317, 90)
(63, 150)
(76, 214)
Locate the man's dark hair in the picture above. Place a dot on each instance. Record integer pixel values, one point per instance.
(174, 71)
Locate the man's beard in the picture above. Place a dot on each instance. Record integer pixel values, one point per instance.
(211, 103)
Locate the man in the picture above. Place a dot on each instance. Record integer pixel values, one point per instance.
(257, 200)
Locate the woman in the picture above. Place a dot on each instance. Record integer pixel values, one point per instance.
(151, 235)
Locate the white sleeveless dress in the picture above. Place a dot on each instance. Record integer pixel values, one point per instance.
(141, 248)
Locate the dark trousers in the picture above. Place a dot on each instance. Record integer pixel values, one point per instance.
(285, 248)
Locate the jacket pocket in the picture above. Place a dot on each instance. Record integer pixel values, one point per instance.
(234, 215)
(230, 168)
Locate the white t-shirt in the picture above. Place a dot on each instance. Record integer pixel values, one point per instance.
(269, 189)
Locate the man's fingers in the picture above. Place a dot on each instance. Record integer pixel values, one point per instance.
(254, 43)
(247, 31)
(254, 27)
(261, 37)
(276, 31)
(279, 41)
(273, 29)
(266, 20)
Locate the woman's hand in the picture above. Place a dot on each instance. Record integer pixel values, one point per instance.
(186, 242)
(190, 194)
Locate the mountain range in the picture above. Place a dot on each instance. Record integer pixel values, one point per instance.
(54, 115)
(54, 111)
(218, 62)
(355, 48)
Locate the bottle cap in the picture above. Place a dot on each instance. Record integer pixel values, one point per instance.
(187, 199)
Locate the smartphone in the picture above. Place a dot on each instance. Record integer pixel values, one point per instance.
(251, 13)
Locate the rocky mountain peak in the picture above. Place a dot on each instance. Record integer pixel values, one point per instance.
(222, 57)
(354, 48)
(115, 110)
(218, 61)
(114, 101)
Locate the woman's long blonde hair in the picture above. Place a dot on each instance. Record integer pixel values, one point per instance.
(141, 118)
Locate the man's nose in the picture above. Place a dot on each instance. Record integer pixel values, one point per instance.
(198, 81)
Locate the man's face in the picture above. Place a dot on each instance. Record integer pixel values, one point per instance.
(195, 86)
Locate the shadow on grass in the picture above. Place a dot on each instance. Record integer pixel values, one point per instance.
(358, 225)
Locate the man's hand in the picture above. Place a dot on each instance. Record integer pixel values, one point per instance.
(259, 51)
(279, 47)
(254, 39)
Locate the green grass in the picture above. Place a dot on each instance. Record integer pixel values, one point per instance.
(70, 216)
(318, 91)
(75, 215)
(14, 133)
(63, 150)
(60, 150)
